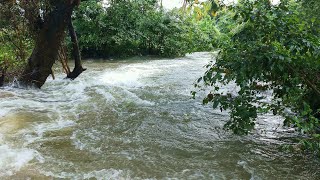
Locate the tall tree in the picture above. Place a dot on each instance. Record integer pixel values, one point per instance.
(48, 19)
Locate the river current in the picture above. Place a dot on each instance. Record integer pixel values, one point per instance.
(135, 119)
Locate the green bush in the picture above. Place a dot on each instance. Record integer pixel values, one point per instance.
(15, 46)
(273, 48)
(128, 28)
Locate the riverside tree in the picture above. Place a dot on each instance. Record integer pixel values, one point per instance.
(270, 48)
(47, 21)
(118, 29)
(134, 28)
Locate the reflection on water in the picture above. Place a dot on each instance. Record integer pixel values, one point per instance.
(135, 119)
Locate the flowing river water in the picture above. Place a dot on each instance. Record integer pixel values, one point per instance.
(135, 119)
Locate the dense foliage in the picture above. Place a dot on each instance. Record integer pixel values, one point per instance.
(15, 46)
(268, 53)
(272, 52)
(126, 28)
(117, 29)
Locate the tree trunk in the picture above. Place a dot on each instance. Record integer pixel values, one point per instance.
(2, 71)
(78, 69)
(47, 45)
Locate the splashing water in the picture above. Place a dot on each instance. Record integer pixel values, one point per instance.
(135, 120)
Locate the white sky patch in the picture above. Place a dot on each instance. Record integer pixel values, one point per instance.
(275, 2)
(170, 4)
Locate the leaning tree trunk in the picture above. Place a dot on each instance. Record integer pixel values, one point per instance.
(47, 45)
(78, 69)
(2, 71)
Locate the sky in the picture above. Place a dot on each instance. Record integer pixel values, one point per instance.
(169, 4)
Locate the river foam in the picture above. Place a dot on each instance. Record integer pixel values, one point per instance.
(134, 120)
(12, 160)
(104, 174)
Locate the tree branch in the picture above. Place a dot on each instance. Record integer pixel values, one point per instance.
(307, 81)
(78, 69)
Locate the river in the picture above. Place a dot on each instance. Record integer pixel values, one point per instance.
(135, 119)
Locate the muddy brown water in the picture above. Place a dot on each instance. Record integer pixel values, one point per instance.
(135, 119)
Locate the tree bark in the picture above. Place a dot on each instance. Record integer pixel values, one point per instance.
(47, 45)
(2, 71)
(78, 69)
